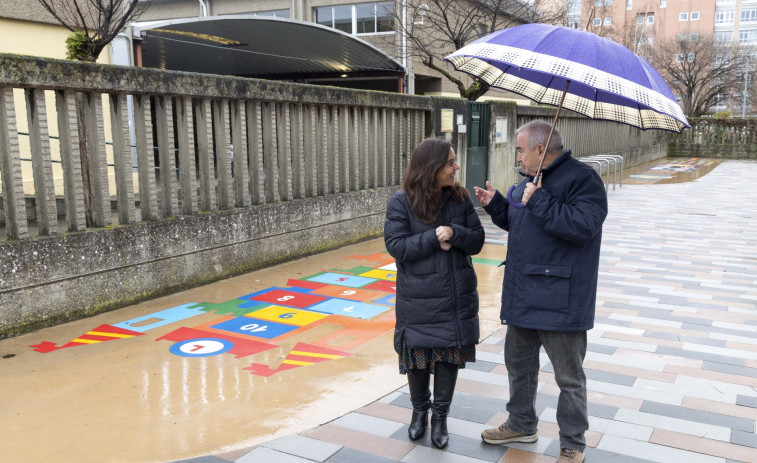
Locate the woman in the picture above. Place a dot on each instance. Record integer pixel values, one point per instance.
(431, 230)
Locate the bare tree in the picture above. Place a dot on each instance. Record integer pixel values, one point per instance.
(698, 70)
(435, 28)
(93, 23)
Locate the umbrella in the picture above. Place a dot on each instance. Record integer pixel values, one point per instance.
(578, 70)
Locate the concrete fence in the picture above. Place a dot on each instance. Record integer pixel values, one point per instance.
(717, 138)
(122, 184)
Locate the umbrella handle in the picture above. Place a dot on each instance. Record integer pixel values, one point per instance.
(510, 199)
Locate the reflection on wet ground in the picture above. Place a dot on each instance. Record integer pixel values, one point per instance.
(669, 170)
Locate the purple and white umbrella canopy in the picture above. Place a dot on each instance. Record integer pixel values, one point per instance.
(606, 80)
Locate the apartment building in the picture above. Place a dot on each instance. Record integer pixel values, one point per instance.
(640, 24)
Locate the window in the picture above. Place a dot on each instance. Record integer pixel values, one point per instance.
(363, 18)
(680, 57)
(749, 16)
(663, 3)
(724, 17)
(597, 22)
(692, 57)
(274, 13)
(694, 37)
(608, 21)
(747, 37)
(597, 2)
(723, 36)
(683, 16)
(650, 19)
(695, 16)
(608, 2)
(629, 4)
(640, 19)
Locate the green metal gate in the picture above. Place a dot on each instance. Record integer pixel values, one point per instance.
(477, 159)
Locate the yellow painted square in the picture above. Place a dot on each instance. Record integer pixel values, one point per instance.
(276, 313)
(380, 274)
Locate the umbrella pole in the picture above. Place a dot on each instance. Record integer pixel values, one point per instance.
(549, 139)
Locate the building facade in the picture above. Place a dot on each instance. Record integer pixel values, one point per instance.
(642, 24)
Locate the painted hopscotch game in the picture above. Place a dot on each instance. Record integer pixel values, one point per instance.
(358, 300)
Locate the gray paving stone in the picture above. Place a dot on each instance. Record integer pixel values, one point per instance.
(748, 439)
(698, 416)
(458, 445)
(424, 454)
(691, 339)
(661, 335)
(746, 401)
(267, 455)
(365, 423)
(720, 329)
(348, 455)
(723, 368)
(610, 321)
(666, 315)
(205, 459)
(481, 365)
(476, 408)
(303, 447)
(597, 455)
(600, 348)
(678, 301)
(700, 356)
(604, 376)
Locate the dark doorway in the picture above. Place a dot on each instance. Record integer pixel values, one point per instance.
(477, 159)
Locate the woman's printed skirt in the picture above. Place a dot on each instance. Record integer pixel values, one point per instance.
(420, 358)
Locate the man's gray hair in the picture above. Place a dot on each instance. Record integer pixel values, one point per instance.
(537, 132)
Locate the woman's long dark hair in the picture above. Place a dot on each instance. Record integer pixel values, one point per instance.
(420, 180)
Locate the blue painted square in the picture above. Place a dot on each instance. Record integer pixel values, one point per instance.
(348, 308)
(164, 317)
(341, 279)
(254, 327)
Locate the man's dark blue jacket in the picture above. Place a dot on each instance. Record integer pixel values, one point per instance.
(553, 245)
(437, 299)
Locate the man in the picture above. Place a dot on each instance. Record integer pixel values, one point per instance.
(550, 284)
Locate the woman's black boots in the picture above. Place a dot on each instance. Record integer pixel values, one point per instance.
(420, 395)
(445, 377)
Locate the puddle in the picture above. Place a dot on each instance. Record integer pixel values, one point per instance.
(670, 170)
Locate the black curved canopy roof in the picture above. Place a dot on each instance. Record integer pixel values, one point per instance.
(261, 47)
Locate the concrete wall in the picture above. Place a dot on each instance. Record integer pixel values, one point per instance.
(57, 279)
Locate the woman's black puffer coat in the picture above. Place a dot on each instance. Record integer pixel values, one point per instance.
(437, 300)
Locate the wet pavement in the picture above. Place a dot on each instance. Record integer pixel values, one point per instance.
(294, 363)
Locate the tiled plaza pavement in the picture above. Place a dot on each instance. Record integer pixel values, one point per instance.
(671, 362)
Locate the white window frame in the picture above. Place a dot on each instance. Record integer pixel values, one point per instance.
(748, 36)
(650, 19)
(694, 16)
(663, 3)
(607, 21)
(748, 15)
(683, 16)
(724, 16)
(629, 4)
(353, 12)
(597, 22)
